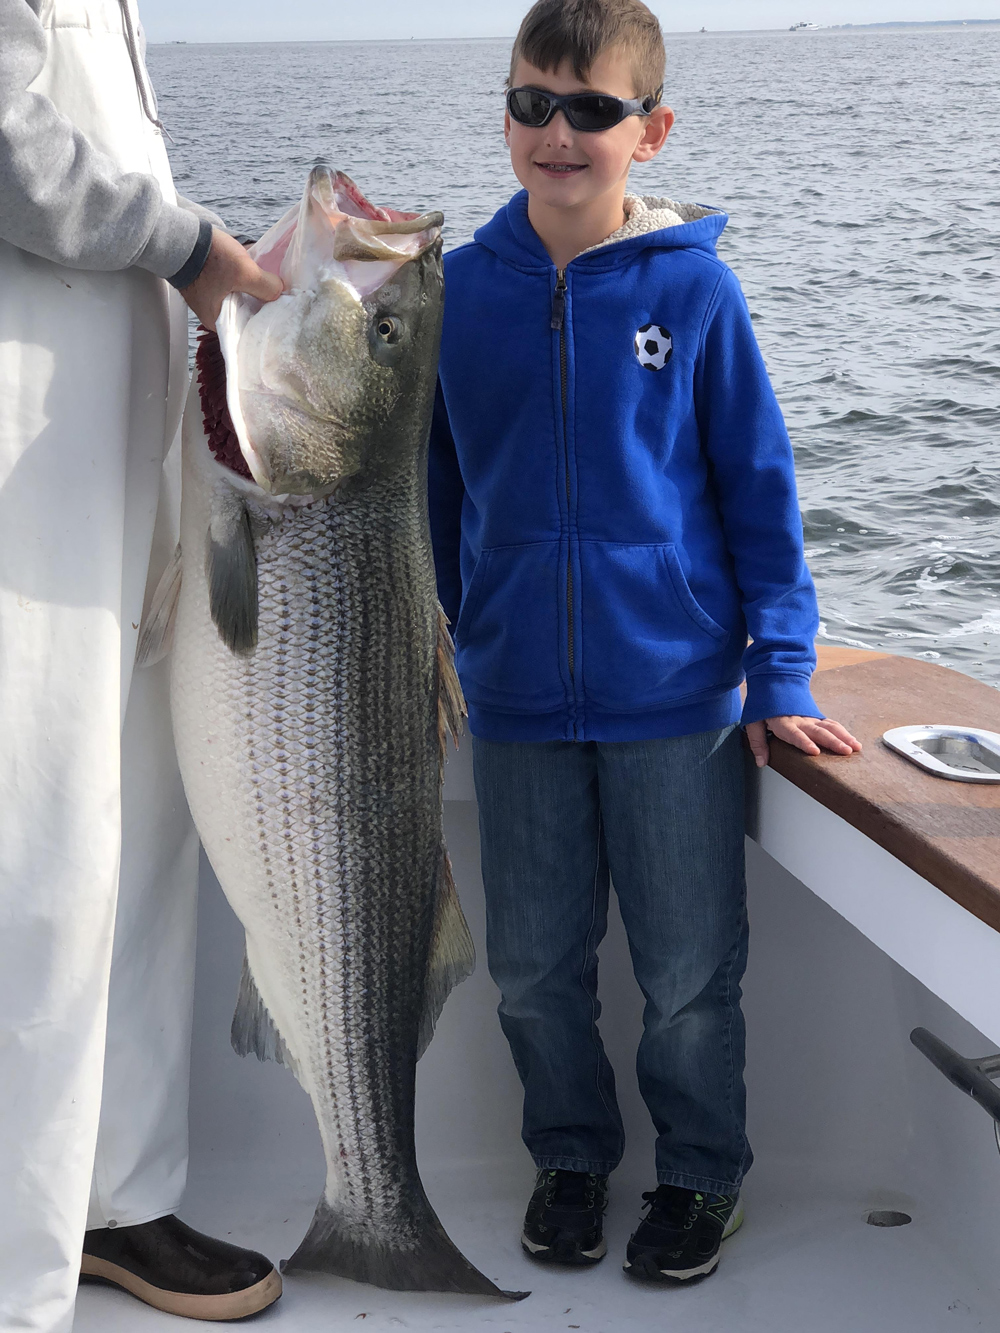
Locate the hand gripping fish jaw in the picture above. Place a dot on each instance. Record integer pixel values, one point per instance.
(321, 382)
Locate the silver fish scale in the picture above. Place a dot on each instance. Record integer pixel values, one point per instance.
(330, 733)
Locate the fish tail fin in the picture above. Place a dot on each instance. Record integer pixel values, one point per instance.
(428, 1262)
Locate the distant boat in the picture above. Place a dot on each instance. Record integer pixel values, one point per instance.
(804, 27)
(704, 30)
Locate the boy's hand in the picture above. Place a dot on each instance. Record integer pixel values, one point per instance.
(228, 268)
(811, 734)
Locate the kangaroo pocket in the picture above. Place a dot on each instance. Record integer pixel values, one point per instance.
(508, 633)
(646, 641)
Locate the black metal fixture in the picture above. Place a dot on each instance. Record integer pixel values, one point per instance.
(973, 1077)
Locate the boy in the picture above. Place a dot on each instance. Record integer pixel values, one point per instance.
(613, 507)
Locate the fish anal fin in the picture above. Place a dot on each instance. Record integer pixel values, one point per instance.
(231, 567)
(254, 1031)
(452, 954)
(156, 636)
(451, 702)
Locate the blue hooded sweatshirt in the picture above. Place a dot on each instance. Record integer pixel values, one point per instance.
(612, 491)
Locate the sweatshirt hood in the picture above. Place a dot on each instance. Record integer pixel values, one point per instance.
(650, 222)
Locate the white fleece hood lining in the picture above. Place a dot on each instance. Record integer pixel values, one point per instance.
(646, 213)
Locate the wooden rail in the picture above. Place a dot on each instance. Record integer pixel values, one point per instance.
(948, 832)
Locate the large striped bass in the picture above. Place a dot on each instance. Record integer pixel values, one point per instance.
(312, 686)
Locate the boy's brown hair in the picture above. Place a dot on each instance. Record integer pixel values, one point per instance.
(579, 30)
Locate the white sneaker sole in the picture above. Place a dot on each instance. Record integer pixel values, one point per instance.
(540, 1251)
(710, 1265)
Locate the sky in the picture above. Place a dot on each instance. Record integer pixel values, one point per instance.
(332, 20)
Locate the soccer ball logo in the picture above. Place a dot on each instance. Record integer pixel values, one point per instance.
(653, 346)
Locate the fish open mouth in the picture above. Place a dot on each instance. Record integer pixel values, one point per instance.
(335, 224)
(351, 201)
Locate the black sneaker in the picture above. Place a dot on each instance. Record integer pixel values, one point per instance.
(564, 1223)
(680, 1235)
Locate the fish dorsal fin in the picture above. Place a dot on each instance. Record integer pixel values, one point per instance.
(452, 954)
(156, 637)
(254, 1031)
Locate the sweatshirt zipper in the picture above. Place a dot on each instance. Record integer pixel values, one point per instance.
(559, 325)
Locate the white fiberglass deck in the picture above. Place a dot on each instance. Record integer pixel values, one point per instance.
(845, 1116)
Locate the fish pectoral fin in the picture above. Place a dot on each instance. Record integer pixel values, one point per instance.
(451, 702)
(156, 635)
(231, 567)
(254, 1031)
(452, 955)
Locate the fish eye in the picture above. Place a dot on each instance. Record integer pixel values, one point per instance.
(388, 329)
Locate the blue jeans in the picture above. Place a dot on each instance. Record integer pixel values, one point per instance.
(664, 819)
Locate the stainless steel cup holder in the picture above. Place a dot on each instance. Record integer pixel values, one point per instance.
(964, 754)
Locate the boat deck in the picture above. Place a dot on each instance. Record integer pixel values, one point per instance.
(799, 1265)
(855, 882)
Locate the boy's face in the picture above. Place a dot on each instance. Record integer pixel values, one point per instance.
(564, 168)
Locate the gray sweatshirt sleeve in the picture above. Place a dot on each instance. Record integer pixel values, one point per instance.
(62, 199)
(202, 213)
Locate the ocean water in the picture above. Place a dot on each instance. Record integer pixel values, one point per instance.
(862, 180)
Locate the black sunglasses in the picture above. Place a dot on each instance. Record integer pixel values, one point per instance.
(587, 112)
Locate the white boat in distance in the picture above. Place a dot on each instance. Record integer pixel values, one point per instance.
(804, 27)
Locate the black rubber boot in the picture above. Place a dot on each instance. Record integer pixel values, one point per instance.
(564, 1223)
(180, 1271)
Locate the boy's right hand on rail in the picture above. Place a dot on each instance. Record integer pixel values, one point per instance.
(810, 734)
(228, 268)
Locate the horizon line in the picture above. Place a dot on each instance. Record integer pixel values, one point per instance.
(676, 32)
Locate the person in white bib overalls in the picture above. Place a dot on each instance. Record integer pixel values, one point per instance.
(98, 856)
